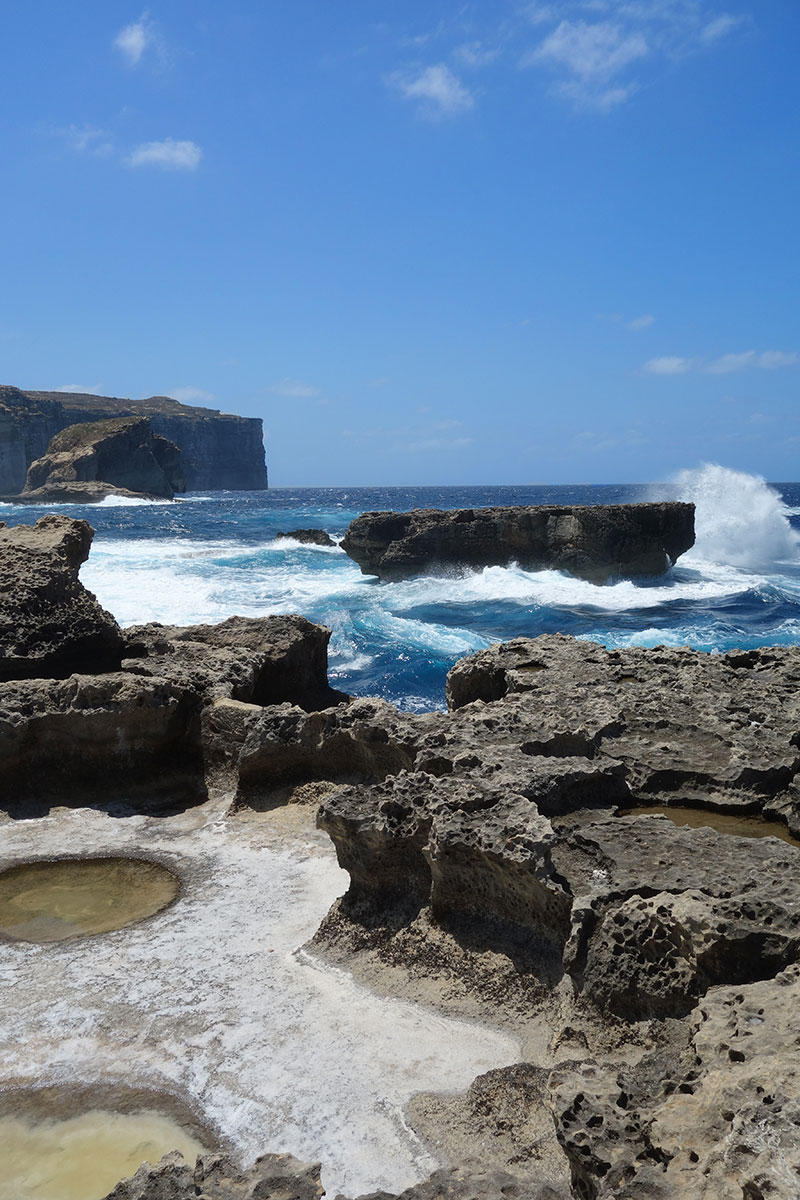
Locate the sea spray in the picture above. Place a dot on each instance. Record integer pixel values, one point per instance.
(216, 557)
(740, 520)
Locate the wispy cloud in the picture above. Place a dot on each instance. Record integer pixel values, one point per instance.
(169, 154)
(598, 48)
(591, 55)
(294, 388)
(187, 395)
(720, 27)
(669, 365)
(725, 364)
(475, 54)
(86, 139)
(80, 389)
(634, 324)
(134, 40)
(439, 444)
(642, 322)
(436, 90)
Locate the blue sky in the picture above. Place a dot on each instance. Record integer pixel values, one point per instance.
(447, 242)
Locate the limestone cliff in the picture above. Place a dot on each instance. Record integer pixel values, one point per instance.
(220, 451)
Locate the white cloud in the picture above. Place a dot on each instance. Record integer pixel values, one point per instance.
(188, 394)
(726, 364)
(591, 51)
(643, 322)
(598, 47)
(669, 365)
(438, 91)
(732, 362)
(133, 40)
(79, 389)
(294, 388)
(170, 155)
(719, 27)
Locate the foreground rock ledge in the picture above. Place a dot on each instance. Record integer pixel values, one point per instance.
(593, 542)
(652, 971)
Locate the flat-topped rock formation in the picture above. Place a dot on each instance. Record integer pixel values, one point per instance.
(121, 456)
(593, 542)
(220, 451)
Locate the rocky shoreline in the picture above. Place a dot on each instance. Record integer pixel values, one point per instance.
(501, 868)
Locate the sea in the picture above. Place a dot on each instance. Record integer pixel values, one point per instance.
(209, 556)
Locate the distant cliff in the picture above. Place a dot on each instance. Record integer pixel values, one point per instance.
(220, 451)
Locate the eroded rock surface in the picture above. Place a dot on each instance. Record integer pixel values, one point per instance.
(652, 971)
(594, 542)
(215, 1177)
(50, 624)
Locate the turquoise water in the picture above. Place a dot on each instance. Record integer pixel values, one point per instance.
(211, 556)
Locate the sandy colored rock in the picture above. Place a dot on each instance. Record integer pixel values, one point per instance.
(50, 624)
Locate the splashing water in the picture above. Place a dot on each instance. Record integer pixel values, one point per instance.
(739, 520)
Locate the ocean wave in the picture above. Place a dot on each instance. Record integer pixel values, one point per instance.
(739, 519)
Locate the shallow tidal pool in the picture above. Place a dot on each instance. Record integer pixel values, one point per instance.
(85, 1156)
(50, 901)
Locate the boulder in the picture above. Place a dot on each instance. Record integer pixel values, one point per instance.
(50, 625)
(593, 542)
(309, 537)
(86, 462)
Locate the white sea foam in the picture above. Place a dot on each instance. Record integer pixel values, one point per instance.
(740, 520)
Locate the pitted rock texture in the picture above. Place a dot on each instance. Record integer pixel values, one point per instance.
(594, 542)
(506, 816)
(50, 625)
(84, 463)
(717, 730)
(215, 1177)
(282, 1177)
(716, 1119)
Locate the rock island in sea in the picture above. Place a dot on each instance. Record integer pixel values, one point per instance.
(581, 853)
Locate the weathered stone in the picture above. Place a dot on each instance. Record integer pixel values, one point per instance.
(137, 732)
(251, 749)
(259, 660)
(86, 462)
(716, 1121)
(92, 738)
(594, 542)
(215, 1177)
(715, 730)
(50, 625)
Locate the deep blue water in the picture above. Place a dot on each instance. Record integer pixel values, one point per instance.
(211, 556)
